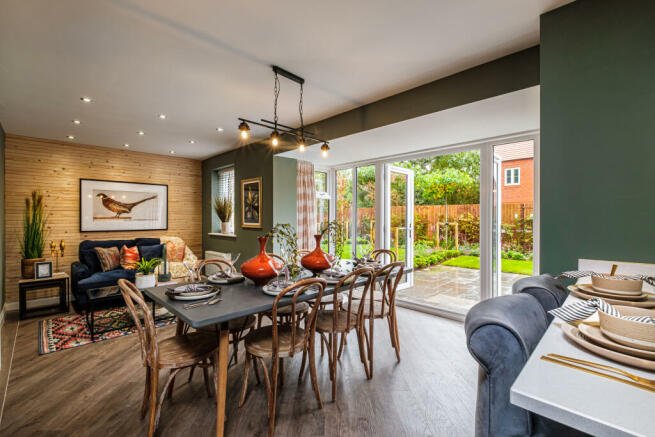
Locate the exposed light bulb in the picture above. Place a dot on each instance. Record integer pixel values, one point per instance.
(86, 99)
(141, 133)
(192, 141)
(162, 116)
(76, 122)
(126, 145)
(302, 145)
(70, 137)
(324, 150)
(244, 129)
(275, 138)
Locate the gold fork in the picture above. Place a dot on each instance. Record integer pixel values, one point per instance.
(639, 379)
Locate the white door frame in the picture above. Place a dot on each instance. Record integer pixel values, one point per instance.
(409, 218)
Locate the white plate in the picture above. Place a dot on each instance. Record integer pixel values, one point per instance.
(271, 291)
(223, 281)
(204, 296)
(193, 288)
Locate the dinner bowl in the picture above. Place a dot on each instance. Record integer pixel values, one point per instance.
(617, 284)
(629, 332)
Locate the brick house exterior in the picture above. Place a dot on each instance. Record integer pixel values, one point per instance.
(518, 159)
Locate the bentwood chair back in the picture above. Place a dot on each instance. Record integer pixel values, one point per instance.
(381, 254)
(174, 353)
(386, 280)
(343, 318)
(283, 340)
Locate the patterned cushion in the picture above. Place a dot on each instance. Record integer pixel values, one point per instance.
(129, 257)
(110, 258)
(175, 251)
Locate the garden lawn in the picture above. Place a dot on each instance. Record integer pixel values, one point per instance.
(507, 265)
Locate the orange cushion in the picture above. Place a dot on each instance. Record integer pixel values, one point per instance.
(175, 252)
(129, 257)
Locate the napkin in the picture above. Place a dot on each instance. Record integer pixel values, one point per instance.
(577, 274)
(582, 310)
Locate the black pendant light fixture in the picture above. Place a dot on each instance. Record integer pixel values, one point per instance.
(278, 129)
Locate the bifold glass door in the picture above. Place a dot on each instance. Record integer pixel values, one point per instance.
(399, 214)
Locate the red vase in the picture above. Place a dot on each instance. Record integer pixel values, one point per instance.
(258, 268)
(316, 261)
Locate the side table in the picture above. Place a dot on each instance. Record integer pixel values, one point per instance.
(59, 280)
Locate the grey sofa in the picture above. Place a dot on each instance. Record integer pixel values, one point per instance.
(501, 334)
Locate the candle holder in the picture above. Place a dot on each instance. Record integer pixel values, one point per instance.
(57, 252)
(164, 275)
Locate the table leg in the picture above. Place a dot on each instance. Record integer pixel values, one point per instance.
(221, 379)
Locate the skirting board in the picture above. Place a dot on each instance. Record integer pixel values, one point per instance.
(44, 301)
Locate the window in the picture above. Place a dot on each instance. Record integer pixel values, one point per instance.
(225, 187)
(322, 200)
(512, 176)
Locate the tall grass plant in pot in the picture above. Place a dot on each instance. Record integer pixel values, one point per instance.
(34, 234)
(145, 276)
(223, 208)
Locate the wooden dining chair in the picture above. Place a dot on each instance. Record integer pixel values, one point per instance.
(173, 353)
(279, 341)
(386, 280)
(284, 315)
(341, 320)
(381, 254)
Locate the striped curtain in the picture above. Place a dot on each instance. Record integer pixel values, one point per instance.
(306, 205)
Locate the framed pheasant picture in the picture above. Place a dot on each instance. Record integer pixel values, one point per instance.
(251, 203)
(122, 206)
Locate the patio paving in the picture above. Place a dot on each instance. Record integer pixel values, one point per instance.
(451, 288)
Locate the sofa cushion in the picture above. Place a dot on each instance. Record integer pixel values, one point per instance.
(146, 241)
(129, 257)
(175, 251)
(88, 256)
(150, 252)
(110, 257)
(105, 279)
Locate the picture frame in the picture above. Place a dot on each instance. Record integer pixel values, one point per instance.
(251, 203)
(43, 270)
(107, 206)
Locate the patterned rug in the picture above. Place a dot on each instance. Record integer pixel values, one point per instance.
(71, 330)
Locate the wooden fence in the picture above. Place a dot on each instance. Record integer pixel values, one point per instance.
(432, 214)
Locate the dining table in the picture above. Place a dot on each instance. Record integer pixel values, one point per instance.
(590, 403)
(237, 300)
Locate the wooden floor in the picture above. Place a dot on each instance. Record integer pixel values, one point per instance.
(96, 390)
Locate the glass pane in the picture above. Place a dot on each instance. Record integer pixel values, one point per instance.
(398, 240)
(343, 199)
(365, 210)
(516, 211)
(320, 179)
(446, 231)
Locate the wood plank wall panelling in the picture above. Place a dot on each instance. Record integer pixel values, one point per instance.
(56, 167)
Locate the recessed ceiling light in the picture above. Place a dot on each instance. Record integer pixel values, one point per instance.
(162, 116)
(126, 145)
(76, 122)
(140, 132)
(70, 137)
(86, 99)
(172, 152)
(220, 129)
(192, 141)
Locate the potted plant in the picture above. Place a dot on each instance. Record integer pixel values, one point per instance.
(223, 208)
(145, 277)
(34, 234)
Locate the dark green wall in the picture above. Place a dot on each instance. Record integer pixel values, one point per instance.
(2, 217)
(250, 161)
(597, 141)
(285, 200)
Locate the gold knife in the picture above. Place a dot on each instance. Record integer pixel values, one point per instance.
(612, 369)
(594, 372)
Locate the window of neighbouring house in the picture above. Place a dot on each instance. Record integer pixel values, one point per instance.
(512, 176)
(225, 189)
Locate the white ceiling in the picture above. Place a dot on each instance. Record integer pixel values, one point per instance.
(204, 63)
(498, 116)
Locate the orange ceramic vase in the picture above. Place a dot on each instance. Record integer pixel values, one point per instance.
(316, 261)
(258, 268)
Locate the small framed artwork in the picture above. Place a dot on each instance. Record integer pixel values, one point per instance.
(43, 270)
(122, 206)
(251, 203)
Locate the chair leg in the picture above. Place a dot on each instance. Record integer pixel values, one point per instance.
(322, 341)
(395, 328)
(164, 393)
(169, 393)
(281, 372)
(304, 359)
(392, 334)
(154, 382)
(274, 377)
(193, 368)
(244, 387)
(205, 374)
(333, 364)
(256, 368)
(146, 394)
(267, 381)
(362, 350)
(343, 342)
(312, 371)
(370, 346)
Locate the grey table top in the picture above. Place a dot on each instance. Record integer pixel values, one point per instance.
(596, 405)
(237, 300)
